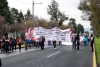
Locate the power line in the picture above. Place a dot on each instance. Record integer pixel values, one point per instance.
(40, 8)
(23, 2)
(29, 3)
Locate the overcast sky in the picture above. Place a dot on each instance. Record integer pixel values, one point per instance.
(69, 6)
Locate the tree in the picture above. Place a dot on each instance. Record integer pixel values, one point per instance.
(91, 12)
(28, 15)
(55, 14)
(15, 14)
(2, 21)
(21, 15)
(80, 29)
(43, 23)
(62, 17)
(72, 23)
(4, 11)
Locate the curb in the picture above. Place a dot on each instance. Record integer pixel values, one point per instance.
(22, 46)
(94, 58)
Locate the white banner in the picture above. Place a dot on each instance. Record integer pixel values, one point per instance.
(49, 34)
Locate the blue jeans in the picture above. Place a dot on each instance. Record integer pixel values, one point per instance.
(74, 44)
(49, 43)
(36, 44)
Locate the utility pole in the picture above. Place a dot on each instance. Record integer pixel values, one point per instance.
(33, 9)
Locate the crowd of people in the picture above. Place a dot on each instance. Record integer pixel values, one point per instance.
(10, 44)
(86, 40)
(40, 43)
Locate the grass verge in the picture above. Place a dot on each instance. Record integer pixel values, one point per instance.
(97, 47)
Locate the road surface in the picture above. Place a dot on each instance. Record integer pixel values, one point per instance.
(63, 56)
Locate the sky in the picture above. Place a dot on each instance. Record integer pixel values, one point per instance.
(70, 7)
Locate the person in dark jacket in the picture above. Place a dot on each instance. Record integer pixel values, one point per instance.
(42, 40)
(7, 45)
(0, 63)
(78, 41)
(54, 43)
(92, 42)
(14, 43)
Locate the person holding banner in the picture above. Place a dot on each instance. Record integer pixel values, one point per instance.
(74, 42)
(54, 44)
(60, 42)
(42, 40)
(49, 43)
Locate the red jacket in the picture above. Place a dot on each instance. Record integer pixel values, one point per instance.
(19, 40)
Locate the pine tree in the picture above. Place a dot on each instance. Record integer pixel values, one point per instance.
(4, 11)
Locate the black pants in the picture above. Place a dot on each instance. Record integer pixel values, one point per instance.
(78, 44)
(19, 46)
(14, 46)
(54, 44)
(0, 63)
(7, 49)
(92, 47)
(42, 45)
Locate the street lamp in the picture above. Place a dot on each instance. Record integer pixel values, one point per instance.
(33, 9)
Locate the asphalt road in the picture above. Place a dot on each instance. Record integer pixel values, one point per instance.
(49, 57)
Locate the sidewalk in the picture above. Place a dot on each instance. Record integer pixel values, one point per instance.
(16, 52)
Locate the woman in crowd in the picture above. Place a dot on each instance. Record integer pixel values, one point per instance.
(19, 40)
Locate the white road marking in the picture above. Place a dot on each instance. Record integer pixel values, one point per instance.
(54, 54)
(79, 52)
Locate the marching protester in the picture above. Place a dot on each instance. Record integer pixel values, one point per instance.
(6, 44)
(78, 41)
(92, 42)
(60, 42)
(54, 43)
(14, 43)
(49, 43)
(3, 45)
(19, 40)
(85, 40)
(36, 43)
(26, 44)
(42, 40)
(10, 44)
(74, 42)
